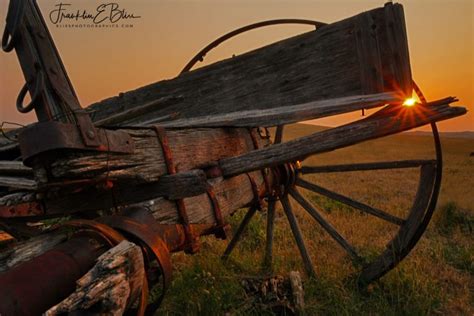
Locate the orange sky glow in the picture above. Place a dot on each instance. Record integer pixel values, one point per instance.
(104, 62)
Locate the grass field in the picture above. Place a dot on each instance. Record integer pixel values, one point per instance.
(436, 278)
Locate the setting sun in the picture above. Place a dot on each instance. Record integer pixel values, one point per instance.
(409, 102)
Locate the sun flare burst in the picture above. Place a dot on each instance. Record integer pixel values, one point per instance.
(409, 102)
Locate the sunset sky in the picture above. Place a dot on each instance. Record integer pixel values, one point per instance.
(104, 62)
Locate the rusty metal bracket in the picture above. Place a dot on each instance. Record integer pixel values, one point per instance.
(264, 170)
(44, 137)
(221, 229)
(192, 242)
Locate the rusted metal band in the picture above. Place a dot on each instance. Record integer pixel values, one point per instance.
(419, 93)
(142, 232)
(221, 227)
(112, 236)
(264, 173)
(256, 192)
(192, 245)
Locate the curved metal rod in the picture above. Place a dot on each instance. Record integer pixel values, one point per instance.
(200, 56)
(439, 174)
(435, 189)
(34, 96)
(14, 16)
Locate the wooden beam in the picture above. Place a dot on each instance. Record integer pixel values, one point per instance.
(110, 287)
(363, 54)
(14, 167)
(287, 114)
(388, 121)
(379, 165)
(18, 183)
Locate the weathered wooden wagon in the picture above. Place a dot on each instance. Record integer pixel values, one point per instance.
(159, 166)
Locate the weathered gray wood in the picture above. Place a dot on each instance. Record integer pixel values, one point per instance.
(17, 198)
(197, 148)
(142, 177)
(122, 117)
(268, 259)
(348, 201)
(18, 182)
(324, 224)
(26, 250)
(379, 165)
(295, 229)
(287, 114)
(388, 121)
(14, 167)
(190, 148)
(240, 230)
(317, 65)
(112, 285)
(181, 185)
(297, 292)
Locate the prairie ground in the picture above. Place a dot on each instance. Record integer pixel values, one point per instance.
(436, 278)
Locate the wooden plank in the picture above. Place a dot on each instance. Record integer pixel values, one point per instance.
(379, 165)
(388, 121)
(26, 250)
(14, 167)
(317, 65)
(18, 182)
(110, 287)
(288, 114)
(190, 148)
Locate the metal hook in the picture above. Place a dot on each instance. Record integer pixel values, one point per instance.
(34, 95)
(14, 15)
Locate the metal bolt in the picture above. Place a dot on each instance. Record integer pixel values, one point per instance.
(90, 134)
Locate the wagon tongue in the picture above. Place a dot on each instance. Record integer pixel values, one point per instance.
(390, 120)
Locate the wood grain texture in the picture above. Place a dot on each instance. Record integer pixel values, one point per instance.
(27, 250)
(317, 65)
(18, 183)
(143, 179)
(15, 168)
(112, 285)
(288, 114)
(388, 121)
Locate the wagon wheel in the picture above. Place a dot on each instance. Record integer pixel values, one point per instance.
(293, 178)
(408, 229)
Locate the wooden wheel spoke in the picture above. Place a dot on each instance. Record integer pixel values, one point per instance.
(278, 134)
(238, 234)
(348, 201)
(297, 234)
(399, 164)
(267, 262)
(324, 224)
